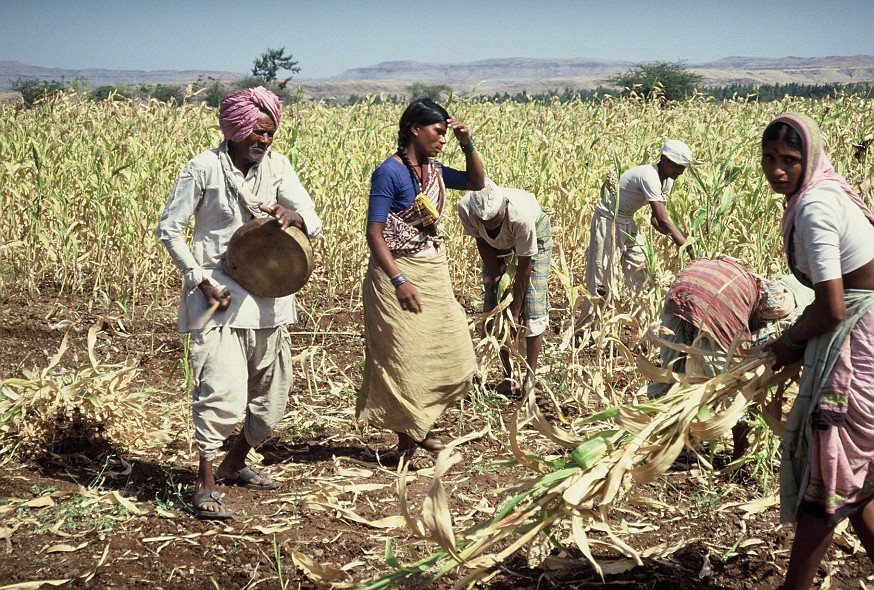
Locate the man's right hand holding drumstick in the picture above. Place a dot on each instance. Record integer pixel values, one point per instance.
(285, 217)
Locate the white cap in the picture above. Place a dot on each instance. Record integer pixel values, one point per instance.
(677, 152)
(487, 202)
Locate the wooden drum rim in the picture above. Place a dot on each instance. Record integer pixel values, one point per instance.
(267, 261)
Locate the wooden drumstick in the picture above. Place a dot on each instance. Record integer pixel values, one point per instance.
(201, 321)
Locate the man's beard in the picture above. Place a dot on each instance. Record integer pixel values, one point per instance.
(254, 154)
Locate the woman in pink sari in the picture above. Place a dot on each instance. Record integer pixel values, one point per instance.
(827, 470)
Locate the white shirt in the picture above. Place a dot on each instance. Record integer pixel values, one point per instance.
(201, 192)
(832, 236)
(638, 186)
(518, 231)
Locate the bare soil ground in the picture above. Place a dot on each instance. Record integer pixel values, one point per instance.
(99, 516)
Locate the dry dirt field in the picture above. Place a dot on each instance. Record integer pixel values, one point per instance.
(96, 516)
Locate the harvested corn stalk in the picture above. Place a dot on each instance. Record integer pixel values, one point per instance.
(568, 498)
(500, 332)
(55, 410)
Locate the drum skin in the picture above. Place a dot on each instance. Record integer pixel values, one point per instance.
(267, 261)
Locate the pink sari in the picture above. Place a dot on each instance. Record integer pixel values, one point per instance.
(827, 465)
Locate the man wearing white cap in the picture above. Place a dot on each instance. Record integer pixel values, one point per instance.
(638, 186)
(507, 221)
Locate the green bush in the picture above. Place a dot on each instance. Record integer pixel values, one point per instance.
(109, 91)
(167, 93)
(32, 91)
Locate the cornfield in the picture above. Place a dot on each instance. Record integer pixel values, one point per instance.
(84, 183)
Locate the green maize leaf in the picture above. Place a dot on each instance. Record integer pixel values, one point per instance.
(507, 278)
(704, 413)
(390, 557)
(608, 414)
(647, 408)
(546, 481)
(6, 416)
(552, 478)
(37, 159)
(510, 504)
(726, 203)
(563, 464)
(22, 383)
(590, 451)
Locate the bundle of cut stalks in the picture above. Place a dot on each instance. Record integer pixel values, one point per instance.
(55, 411)
(501, 333)
(566, 499)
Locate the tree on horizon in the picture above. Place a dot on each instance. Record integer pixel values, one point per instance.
(669, 80)
(270, 63)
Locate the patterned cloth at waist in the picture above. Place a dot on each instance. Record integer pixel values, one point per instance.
(716, 295)
(404, 231)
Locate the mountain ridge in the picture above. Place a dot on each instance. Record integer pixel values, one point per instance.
(511, 74)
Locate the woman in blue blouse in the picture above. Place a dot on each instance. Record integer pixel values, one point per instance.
(419, 357)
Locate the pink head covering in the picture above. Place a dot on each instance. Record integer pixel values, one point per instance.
(239, 111)
(817, 169)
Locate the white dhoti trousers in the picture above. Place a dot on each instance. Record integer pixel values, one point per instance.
(238, 373)
(605, 246)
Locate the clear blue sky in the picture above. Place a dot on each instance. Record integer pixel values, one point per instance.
(328, 37)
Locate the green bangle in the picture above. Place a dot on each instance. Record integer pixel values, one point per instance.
(468, 148)
(785, 339)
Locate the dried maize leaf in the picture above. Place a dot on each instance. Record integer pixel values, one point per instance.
(435, 508)
(517, 451)
(319, 573)
(651, 372)
(414, 525)
(619, 543)
(633, 419)
(591, 483)
(578, 531)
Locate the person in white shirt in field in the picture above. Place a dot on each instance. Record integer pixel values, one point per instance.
(509, 222)
(241, 356)
(648, 184)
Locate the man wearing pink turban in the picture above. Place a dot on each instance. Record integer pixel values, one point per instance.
(240, 356)
(240, 111)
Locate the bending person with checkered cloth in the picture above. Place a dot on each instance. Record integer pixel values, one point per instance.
(507, 222)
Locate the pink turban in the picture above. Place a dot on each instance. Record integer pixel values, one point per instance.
(239, 111)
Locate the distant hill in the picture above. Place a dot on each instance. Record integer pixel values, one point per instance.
(10, 71)
(492, 71)
(489, 76)
(588, 73)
